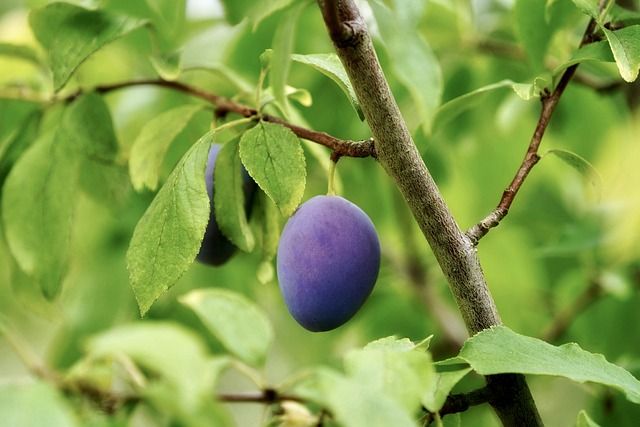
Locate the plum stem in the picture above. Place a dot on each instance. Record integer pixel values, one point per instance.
(331, 189)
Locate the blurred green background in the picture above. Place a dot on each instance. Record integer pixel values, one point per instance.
(564, 232)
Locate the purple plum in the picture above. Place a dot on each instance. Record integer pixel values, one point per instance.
(328, 262)
(216, 249)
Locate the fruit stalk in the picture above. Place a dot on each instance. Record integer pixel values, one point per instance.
(399, 156)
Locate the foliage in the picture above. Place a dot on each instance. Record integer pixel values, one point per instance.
(108, 109)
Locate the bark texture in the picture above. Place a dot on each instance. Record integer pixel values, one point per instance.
(399, 156)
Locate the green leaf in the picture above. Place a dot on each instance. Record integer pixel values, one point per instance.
(329, 64)
(412, 61)
(269, 223)
(589, 7)
(169, 17)
(282, 46)
(21, 52)
(395, 368)
(439, 389)
(237, 10)
(240, 325)
(625, 45)
(533, 30)
(585, 421)
(197, 53)
(499, 350)
(528, 91)
(449, 110)
(38, 228)
(151, 145)
(168, 237)
(229, 202)
(70, 34)
(353, 404)
(169, 350)
(579, 163)
(274, 158)
(34, 405)
(592, 52)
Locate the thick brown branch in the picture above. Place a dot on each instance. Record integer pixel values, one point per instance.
(563, 320)
(399, 156)
(224, 105)
(531, 158)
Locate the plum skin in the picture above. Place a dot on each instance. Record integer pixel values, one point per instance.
(216, 249)
(328, 262)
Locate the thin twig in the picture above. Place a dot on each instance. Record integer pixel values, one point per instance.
(563, 320)
(267, 396)
(531, 158)
(349, 148)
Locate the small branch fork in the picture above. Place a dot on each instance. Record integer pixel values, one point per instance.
(223, 106)
(549, 102)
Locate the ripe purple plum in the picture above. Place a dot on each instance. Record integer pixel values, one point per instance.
(216, 249)
(328, 262)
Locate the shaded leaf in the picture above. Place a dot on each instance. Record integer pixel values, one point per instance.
(579, 163)
(282, 46)
(450, 109)
(21, 52)
(240, 325)
(596, 52)
(229, 197)
(353, 404)
(585, 421)
(34, 405)
(38, 227)
(533, 29)
(412, 60)
(168, 236)
(237, 10)
(274, 158)
(70, 34)
(589, 7)
(499, 350)
(151, 145)
(329, 64)
(394, 368)
(169, 350)
(439, 389)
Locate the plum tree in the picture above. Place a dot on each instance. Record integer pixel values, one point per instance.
(328, 261)
(216, 249)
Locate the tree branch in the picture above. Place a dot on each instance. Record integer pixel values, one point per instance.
(399, 156)
(224, 106)
(531, 158)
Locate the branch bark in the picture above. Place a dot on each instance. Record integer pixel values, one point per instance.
(399, 156)
(224, 106)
